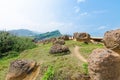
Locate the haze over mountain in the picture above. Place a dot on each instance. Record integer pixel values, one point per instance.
(23, 32)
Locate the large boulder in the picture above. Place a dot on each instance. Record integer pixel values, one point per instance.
(64, 37)
(57, 48)
(59, 41)
(22, 70)
(112, 40)
(104, 64)
(85, 37)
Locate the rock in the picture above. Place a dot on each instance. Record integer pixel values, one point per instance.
(104, 64)
(59, 41)
(57, 48)
(21, 70)
(112, 40)
(85, 37)
(64, 37)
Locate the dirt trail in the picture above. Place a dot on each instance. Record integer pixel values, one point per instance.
(77, 54)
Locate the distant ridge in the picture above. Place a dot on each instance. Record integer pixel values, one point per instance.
(48, 35)
(23, 32)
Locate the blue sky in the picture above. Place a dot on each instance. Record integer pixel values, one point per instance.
(68, 16)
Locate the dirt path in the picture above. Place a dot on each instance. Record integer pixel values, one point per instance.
(77, 54)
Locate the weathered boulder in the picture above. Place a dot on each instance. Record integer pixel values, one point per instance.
(59, 41)
(22, 70)
(104, 64)
(85, 37)
(64, 37)
(57, 48)
(112, 40)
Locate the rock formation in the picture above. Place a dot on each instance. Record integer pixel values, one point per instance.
(22, 70)
(85, 37)
(59, 41)
(57, 48)
(112, 40)
(64, 37)
(104, 64)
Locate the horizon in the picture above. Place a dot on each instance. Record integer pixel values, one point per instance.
(69, 16)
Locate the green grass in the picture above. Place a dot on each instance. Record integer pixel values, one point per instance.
(86, 49)
(4, 63)
(63, 66)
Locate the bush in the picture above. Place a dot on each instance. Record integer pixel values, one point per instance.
(9, 42)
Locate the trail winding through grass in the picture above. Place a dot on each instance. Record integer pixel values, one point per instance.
(77, 54)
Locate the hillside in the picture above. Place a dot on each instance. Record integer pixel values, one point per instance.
(62, 67)
(48, 35)
(23, 32)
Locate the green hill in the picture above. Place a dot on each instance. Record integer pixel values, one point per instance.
(23, 32)
(48, 35)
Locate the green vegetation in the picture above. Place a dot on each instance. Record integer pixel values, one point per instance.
(49, 73)
(63, 66)
(48, 35)
(12, 45)
(85, 67)
(86, 49)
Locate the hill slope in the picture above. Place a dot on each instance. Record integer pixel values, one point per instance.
(23, 32)
(48, 35)
(62, 66)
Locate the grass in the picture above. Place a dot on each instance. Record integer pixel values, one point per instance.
(86, 49)
(4, 63)
(63, 66)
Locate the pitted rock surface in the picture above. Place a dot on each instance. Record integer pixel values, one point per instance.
(104, 64)
(57, 48)
(59, 41)
(112, 40)
(85, 37)
(19, 69)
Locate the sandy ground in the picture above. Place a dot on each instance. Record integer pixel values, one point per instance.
(77, 54)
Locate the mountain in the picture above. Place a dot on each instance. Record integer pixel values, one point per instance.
(23, 32)
(48, 35)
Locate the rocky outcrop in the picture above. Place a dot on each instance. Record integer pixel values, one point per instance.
(59, 41)
(104, 64)
(57, 48)
(22, 70)
(64, 37)
(85, 37)
(112, 40)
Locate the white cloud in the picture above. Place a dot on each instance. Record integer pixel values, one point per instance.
(79, 1)
(102, 27)
(28, 14)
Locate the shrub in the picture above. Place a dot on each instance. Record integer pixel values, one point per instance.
(9, 42)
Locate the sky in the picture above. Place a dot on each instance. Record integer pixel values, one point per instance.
(68, 16)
